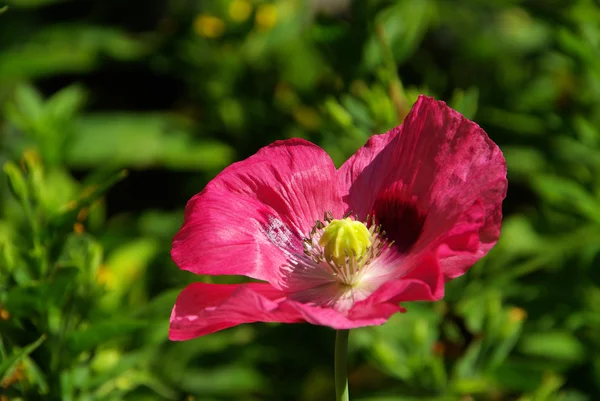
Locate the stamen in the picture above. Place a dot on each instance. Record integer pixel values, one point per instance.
(349, 267)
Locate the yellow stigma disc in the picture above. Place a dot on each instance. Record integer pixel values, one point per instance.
(343, 238)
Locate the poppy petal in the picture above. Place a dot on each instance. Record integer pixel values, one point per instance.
(436, 175)
(424, 282)
(256, 210)
(204, 308)
(362, 178)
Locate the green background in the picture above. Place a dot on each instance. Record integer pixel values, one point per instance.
(114, 113)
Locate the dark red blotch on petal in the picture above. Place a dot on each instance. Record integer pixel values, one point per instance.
(399, 217)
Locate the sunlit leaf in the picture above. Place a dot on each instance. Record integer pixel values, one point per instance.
(560, 345)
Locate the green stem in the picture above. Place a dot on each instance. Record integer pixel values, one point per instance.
(39, 250)
(341, 376)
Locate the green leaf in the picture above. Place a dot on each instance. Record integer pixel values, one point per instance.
(123, 269)
(559, 345)
(16, 181)
(519, 375)
(55, 189)
(24, 301)
(465, 101)
(7, 366)
(84, 253)
(31, 300)
(402, 347)
(573, 151)
(37, 375)
(98, 333)
(467, 366)
(587, 132)
(29, 101)
(227, 380)
(95, 186)
(64, 104)
(524, 161)
(358, 111)
(337, 112)
(519, 237)
(67, 48)
(56, 290)
(160, 224)
(141, 140)
(519, 123)
(402, 33)
(10, 256)
(568, 194)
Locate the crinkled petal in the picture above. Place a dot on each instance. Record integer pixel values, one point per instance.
(203, 308)
(256, 211)
(441, 173)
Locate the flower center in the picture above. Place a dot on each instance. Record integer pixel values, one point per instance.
(345, 248)
(344, 238)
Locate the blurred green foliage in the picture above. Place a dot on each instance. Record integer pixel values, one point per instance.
(173, 91)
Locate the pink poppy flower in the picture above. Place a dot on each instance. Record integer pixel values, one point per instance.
(410, 210)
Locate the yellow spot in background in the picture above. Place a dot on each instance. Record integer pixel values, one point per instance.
(517, 314)
(266, 16)
(88, 191)
(359, 88)
(4, 314)
(439, 348)
(78, 228)
(307, 117)
(83, 214)
(239, 10)
(16, 376)
(71, 205)
(124, 382)
(31, 158)
(285, 95)
(105, 276)
(209, 26)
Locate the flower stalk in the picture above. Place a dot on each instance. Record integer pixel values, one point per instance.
(341, 362)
